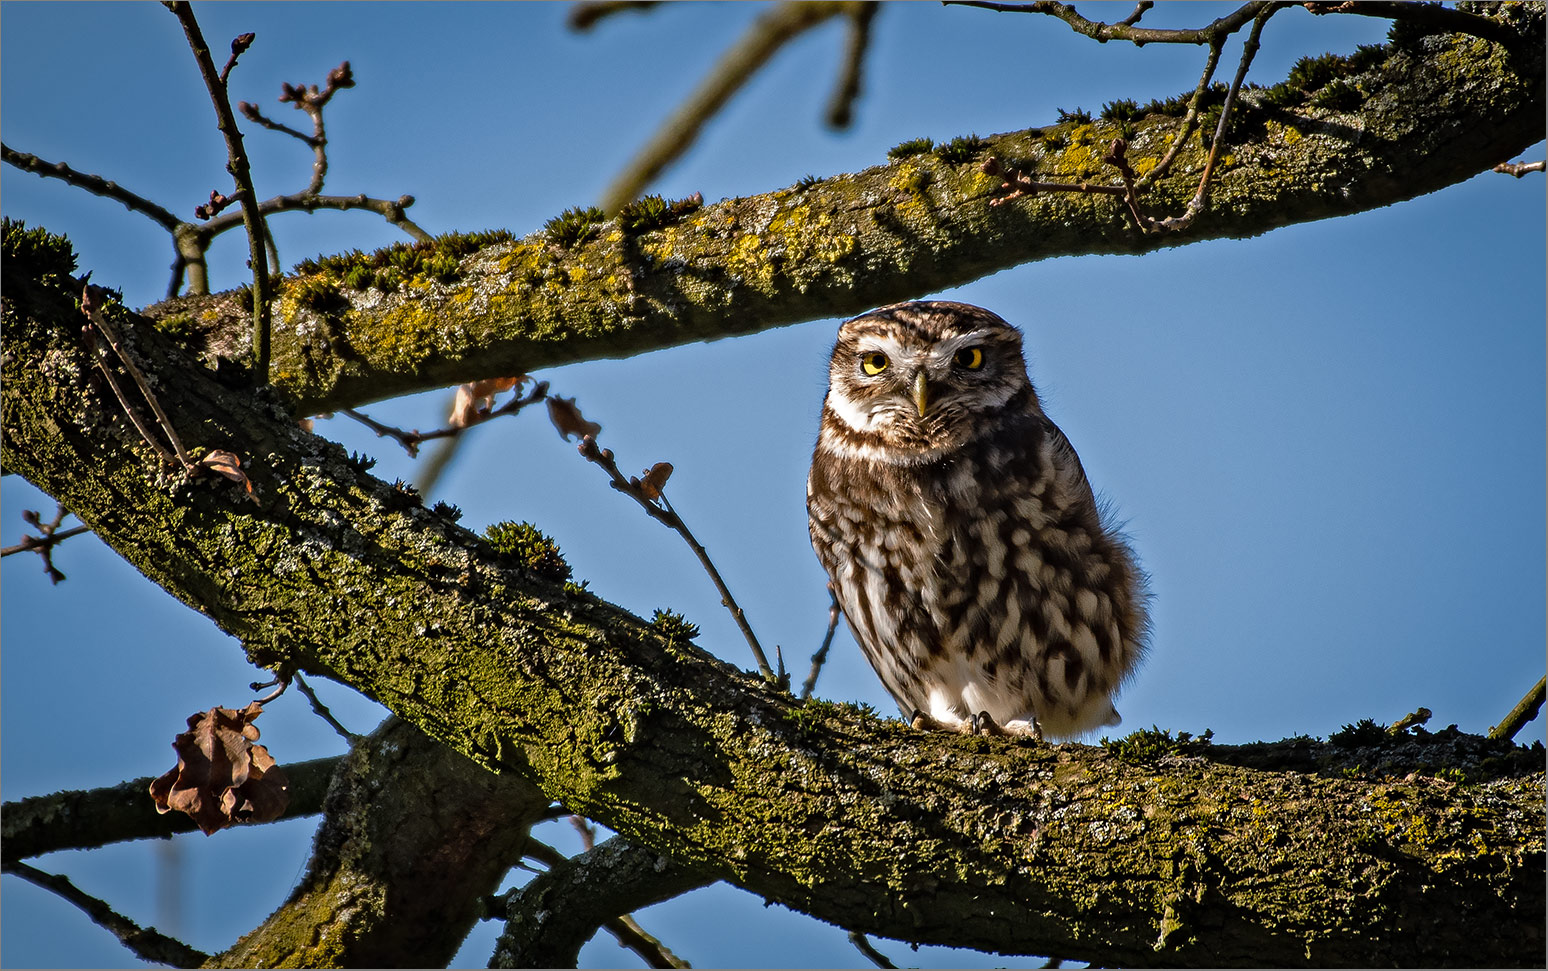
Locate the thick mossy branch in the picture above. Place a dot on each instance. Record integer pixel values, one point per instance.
(1427, 113)
(985, 843)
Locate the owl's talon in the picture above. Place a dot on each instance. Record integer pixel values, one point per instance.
(984, 724)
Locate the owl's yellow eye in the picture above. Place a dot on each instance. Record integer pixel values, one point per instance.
(874, 362)
(971, 358)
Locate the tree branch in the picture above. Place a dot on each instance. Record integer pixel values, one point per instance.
(917, 225)
(94, 184)
(1210, 856)
(773, 29)
(84, 820)
(1526, 709)
(553, 916)
(147, 943)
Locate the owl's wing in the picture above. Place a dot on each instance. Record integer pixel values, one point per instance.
(1070, 485)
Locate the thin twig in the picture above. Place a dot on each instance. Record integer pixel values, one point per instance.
(94, 184)
(322, 711)
(585, 14)
(776, 27)
(91, 304)
(241, 173)
(863, 945)
(1190, 120)
(1126, 30)
(412, 440)
(1139, 11)
(1249, 50)
(821, 657)
(841, 104)
(667, 516)
(280, 684)
(147, 943)
(1519, 169)
(1526, 709)
(49, 536)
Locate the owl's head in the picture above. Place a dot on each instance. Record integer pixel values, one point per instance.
(910, 382)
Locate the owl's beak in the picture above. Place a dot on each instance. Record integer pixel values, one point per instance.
(921, 393)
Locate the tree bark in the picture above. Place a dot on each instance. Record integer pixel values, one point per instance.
(992, 844)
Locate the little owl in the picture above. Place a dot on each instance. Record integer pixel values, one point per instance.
(963, 542)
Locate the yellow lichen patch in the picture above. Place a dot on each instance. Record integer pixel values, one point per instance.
(1142, 166)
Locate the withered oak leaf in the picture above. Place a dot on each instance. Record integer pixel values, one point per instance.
(221, 776)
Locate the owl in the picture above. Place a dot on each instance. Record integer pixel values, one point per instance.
(962, 540)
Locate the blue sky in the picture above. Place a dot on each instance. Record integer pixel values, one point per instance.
(1327, 442)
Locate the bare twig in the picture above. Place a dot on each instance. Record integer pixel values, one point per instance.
(49, 536)
(241, 173)
(821, 657)
(863, 945)
(1139, 11)
(280, 684)
(586, 14)
(661, 510)
(91, 305)
(771, 31)
(1022, 184)
(322, 711)
(412, 440)
(94, 184)
(146, 943)
(841, 104)
(1526, 709)
(1126, 30)
(1190, 120)
(1519, 169)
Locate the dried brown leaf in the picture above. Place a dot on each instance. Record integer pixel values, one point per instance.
(655, 478)
(475, 399)
(227, 464)
(568, 419)
(221, 777)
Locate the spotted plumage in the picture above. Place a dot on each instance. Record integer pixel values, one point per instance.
(960, 534)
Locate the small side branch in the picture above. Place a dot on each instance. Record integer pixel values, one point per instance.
(411, 440)
(1211, 33)
(775, 28)
(147, 943)
(49, 536)
(841, 104)
(821, 657)
(241, 173)
(1519, 169)
(94, 184)
(1526, 709)
(659, 509)
(864, 946)
(91, 306)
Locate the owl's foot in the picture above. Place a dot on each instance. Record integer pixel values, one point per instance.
(983, 724)
(925, 723)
